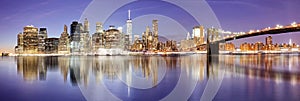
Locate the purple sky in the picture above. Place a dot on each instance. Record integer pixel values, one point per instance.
(234, 15)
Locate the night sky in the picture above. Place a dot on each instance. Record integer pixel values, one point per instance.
(233, 15)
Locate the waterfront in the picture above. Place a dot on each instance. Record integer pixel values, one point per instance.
(241, 77)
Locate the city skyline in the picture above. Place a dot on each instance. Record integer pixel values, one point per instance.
(256, 15)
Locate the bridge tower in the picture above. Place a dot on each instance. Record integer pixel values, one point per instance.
(213, 41)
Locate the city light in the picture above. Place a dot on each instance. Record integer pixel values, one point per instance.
(147, 43)
(294, 24)
(251, 31)
(278, 26)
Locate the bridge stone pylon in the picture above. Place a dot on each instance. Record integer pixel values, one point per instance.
(214, 37)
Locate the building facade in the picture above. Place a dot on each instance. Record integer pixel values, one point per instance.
(41, 40)
(20, 44)
(64, 42)
(30, 39)
(129, 28)
(51, 45)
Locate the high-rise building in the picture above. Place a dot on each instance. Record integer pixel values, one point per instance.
(98, 38)
(85, 39)
(198, 35)
(75, 37)
(86, 25)
(150, 38)
(20, 44)
(113, 38)
(129, 27)
(269, 44)
(269, 40)
(64, 42)
(74, 29)
(155, 32)
(80, 37)
(30, 40)
(99, 27)
(41, 40)
(188, 36)
(51, 45)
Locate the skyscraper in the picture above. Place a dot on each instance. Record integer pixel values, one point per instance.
(198, 35)
(188, 36)
(74, 37)
(155, 32)
(86, 25)
(41, 40)
(74, 29)
(129, 27)
(64, 42)
(98, 38)
(269, 44)
(85, 40)
(30, 40)
(99, 27)
(51, 45)
(269, 40)
(19, 47)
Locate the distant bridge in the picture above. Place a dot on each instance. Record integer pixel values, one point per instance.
(213, 43)
(285, 29)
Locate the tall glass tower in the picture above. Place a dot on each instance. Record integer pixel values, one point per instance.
(129, 27)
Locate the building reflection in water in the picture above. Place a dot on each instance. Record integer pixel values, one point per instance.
(81, 68)
(277, 67)
(32, 68)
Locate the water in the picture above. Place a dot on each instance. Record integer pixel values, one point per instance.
(79, 78)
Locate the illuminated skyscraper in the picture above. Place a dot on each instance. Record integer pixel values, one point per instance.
(99, 27)
(85, 39)
(51, 45)
(30, 40)
(113, 38)
(188, 36)
(64, 42)
(74, 29)
(155, 33)
(129, 27)
(269, 40)
(269, 43)
(98, 38)
(86, 25)
(198, 35)
(19, 47)
(75, 37)
(41, 40)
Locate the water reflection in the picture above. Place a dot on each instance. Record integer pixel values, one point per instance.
(281, 67)
(126, 77)
(267, 66)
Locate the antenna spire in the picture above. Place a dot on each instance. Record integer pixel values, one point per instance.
(129, 14)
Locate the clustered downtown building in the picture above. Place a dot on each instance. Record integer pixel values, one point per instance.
(114, 41)
(35, 40)
(79, 41)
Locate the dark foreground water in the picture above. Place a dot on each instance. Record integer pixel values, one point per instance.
(222, 78)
